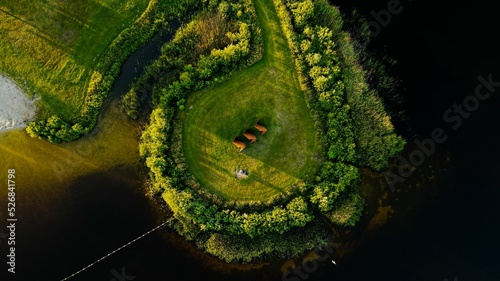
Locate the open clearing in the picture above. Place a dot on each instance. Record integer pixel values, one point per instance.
(268, 91)
(51, 47)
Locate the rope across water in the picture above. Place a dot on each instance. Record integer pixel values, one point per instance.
(120, 248)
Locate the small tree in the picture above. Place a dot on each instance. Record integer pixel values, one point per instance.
(130, 104)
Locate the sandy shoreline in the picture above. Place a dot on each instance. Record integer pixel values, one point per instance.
(16, 109)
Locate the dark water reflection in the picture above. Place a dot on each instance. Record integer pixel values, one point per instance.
(449, 229)
(99, 213)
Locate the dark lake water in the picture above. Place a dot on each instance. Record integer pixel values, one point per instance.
(441, 223)
(442, 48)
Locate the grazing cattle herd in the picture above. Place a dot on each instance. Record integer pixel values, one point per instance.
(249, 136)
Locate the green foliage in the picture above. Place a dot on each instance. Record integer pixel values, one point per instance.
(348, 210)
(237, 248)
(331, 182)
(210, 218)
(302, 12)
(130, 104)
(54, 130)
(319, 63)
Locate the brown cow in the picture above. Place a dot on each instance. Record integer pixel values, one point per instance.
(250, 136)
(239, 144)
(261, 128)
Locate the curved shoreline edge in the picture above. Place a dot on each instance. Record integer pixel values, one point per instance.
(16, 108)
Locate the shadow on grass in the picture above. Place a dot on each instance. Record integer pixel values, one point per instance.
(267, 184)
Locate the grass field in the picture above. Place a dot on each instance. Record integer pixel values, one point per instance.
(268, 91)
(51, 47)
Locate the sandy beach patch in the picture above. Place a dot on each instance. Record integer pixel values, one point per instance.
(16, 109)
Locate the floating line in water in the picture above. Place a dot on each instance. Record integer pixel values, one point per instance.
(106, 256)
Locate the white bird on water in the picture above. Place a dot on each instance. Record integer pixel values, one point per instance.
(334, 262)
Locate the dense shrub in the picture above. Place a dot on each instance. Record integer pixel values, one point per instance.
(347, 210)
(233, 248)
(55, 130)
(130, 104)
(331, 182)
(213, 219)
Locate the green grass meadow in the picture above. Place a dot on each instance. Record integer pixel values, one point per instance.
(268, 92)
(50, 47)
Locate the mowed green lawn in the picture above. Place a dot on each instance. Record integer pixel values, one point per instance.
(268, 91)
(51, 47)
